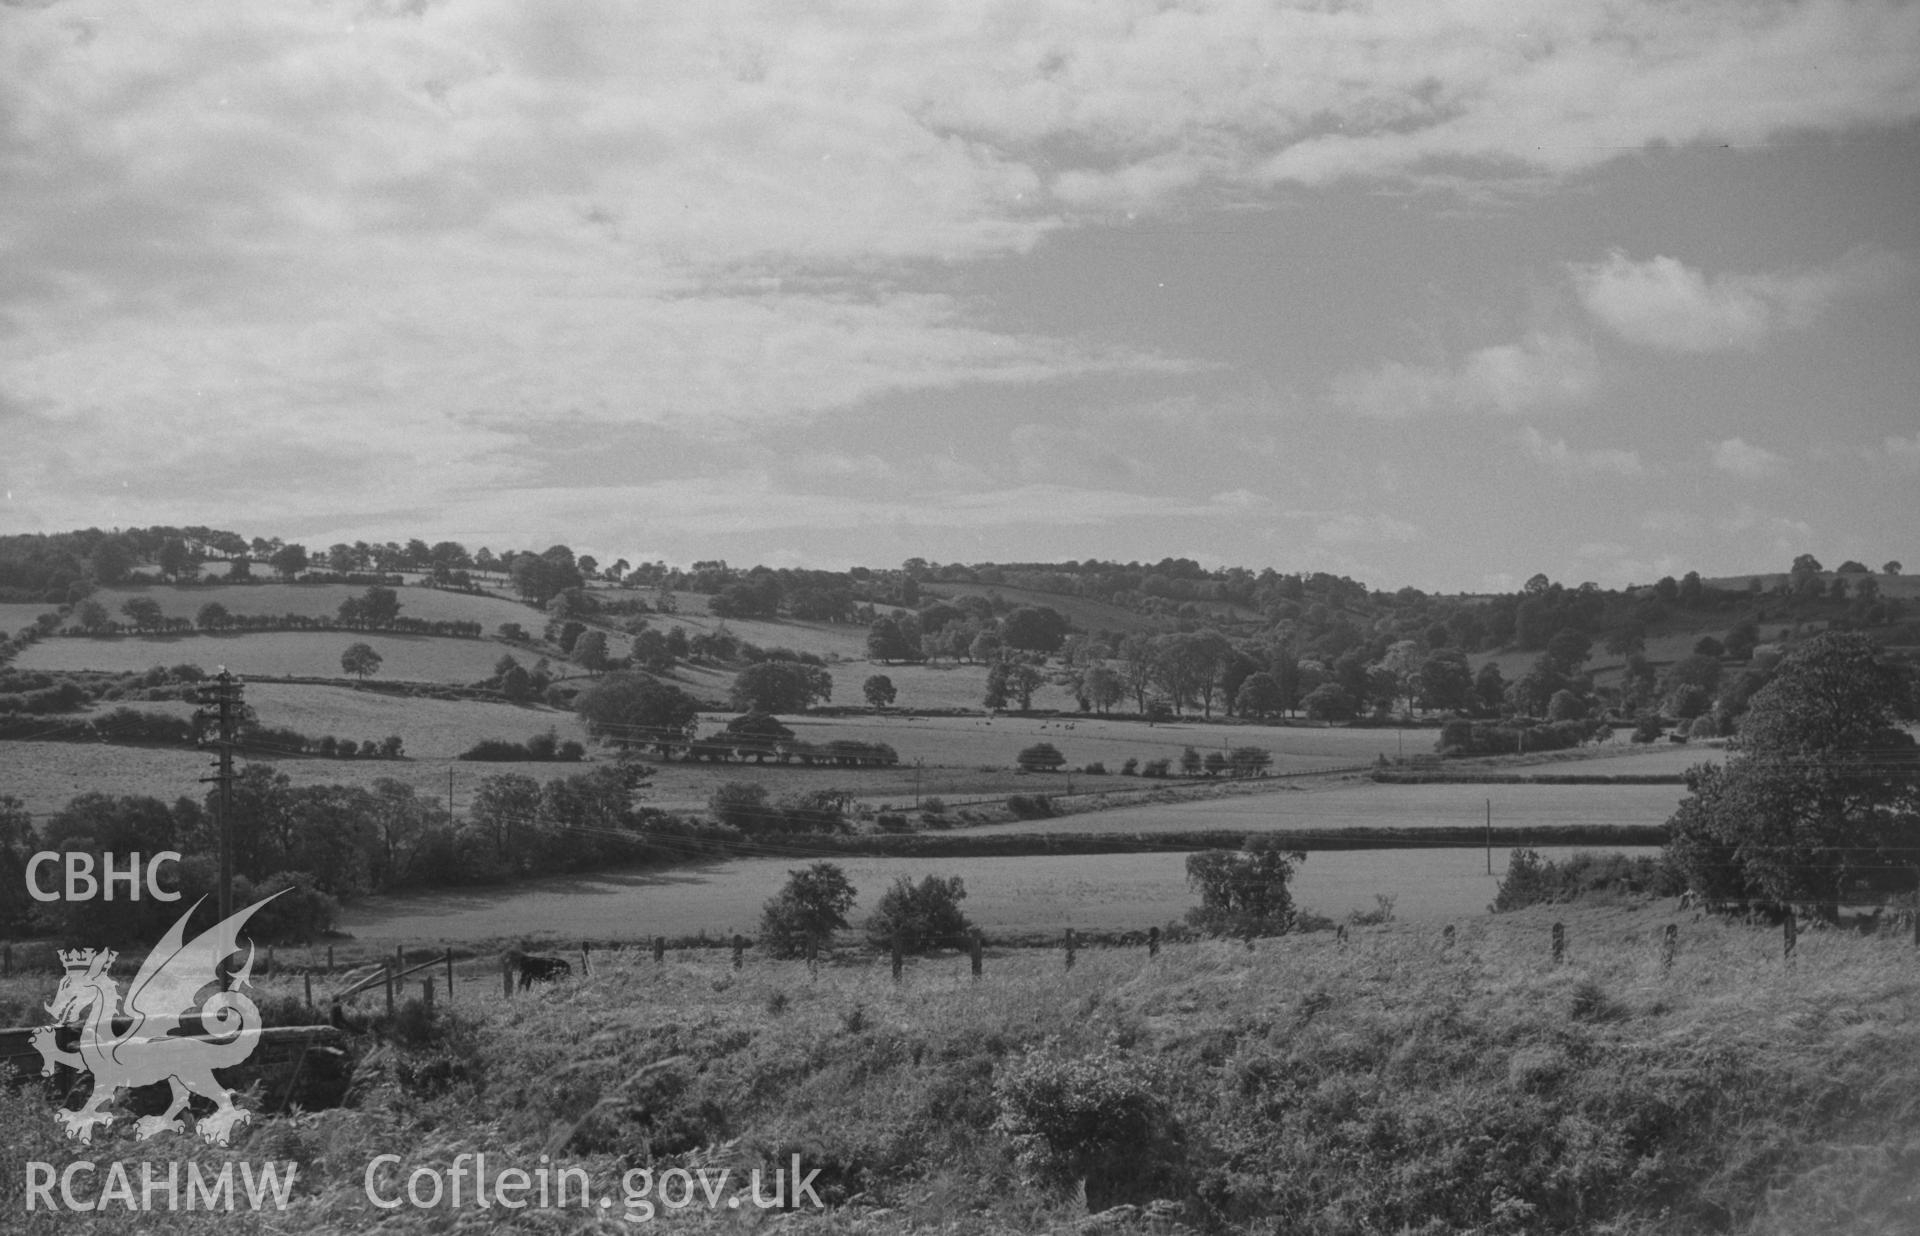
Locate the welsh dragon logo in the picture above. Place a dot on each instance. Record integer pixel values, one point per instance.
(144, 1042)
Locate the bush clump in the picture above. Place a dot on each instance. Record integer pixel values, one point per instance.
(541, 748)
(1030, 806)
(1096, 1119)
(1533, 880)
(923, 916)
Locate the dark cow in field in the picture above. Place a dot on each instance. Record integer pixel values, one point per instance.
(538, 969)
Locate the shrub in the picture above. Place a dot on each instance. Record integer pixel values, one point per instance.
(811, 907)
(1130, 767)
(922, 916)
(892, 822)
(1030, 806)
(1095, 769)
(541, 747)
(1156, 768)
(1097, 1119)
(741, 805)
(1244, 892)
(494, 749)
(1041, 757)
(1532, 880)
(1382, 912)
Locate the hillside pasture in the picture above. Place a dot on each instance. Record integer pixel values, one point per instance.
(1104, 892)
(45, 775)
(323, 600)
(830, 641)
(16, 615)
(436, 730)
(1365, 804)
(296, 654)
(982, 741)
(1082, 613)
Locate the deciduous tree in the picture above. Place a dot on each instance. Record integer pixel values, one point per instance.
(289, 560)
(1820, 799)
(360, 660)
(804, 915)
(1244, 892)
(634, 710)
(781, 686)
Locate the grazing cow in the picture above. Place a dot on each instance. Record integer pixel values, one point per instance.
(539, 969)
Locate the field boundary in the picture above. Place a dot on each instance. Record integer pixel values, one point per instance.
(1390, 776)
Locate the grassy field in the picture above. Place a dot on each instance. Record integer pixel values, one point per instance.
(973, 741)
(405, 658)
(1021, 896)
(1364, 804)
(435, 730)
(1300, 1087)
(1083, 613)
(45, 775)
(15, 615)
(317, 600)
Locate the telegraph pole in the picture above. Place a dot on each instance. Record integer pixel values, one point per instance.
(222, 695)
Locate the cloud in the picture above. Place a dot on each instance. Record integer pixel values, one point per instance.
(436, 232)
(1661, 303)
(1613, 565)
(1351, 528)
(1563, 458)
(1081, 456)
(1540, 371)
(1904, 452)
(1744, 460)
(1671, 523)
(1242, 499)
(1788, 535)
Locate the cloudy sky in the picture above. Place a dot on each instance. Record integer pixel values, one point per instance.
(1441, 292)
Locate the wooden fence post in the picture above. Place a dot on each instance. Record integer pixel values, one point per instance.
(1070, 948)
(659, 950)
(309, 978)
(506, 978)
(739, 951)
(387, 972)
(1559, 943)
(899, 956)
(976, 953)
(1153, 941)
(426, 990)
(586, 959)
(399, 957)
(1340, 935)
(1669, 940)
(1446, 937)
(449, 976)
(1790, 935)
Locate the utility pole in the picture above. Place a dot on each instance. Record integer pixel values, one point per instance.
(220, 703)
